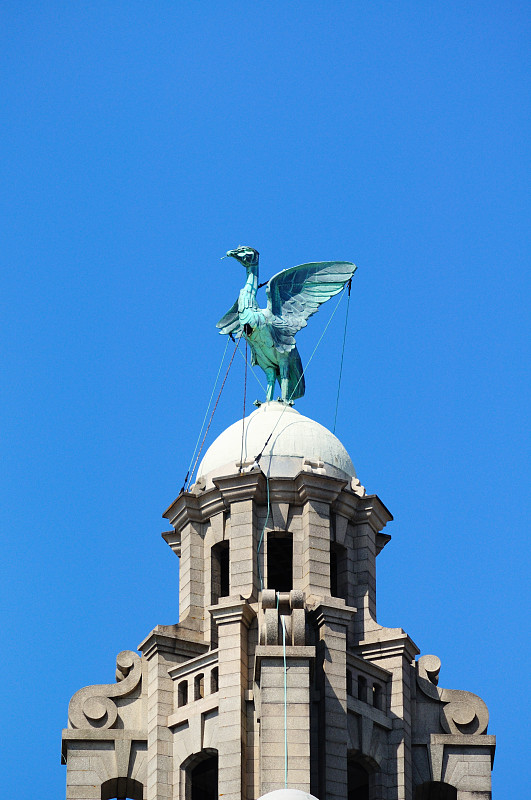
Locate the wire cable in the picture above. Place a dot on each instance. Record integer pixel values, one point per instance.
(342, 355)
(243, 417)
(283, 621)
(286, 405)
(213, 411)
(206, 413)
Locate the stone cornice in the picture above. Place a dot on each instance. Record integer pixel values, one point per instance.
(199, 507)
(381, 645)
(172, 641)
(242, 486)
(173, 538)
(99, 735)
(199, 662)
(192, 507)
(333, 611)
(381, 540)
(322, 488)
(229, 610)
(371, 509)
(347, 504)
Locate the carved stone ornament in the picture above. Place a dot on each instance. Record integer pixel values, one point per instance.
(462, 712)
(94, 706)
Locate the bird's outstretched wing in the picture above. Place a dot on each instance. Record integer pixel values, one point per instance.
(230, 322)
(295, 294)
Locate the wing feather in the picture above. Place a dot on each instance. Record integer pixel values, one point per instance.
(293, 295)
(230, 322)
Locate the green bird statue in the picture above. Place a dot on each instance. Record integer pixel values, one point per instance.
(293, 295)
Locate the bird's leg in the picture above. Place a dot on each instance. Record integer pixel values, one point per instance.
(271, 378)
(284, 379)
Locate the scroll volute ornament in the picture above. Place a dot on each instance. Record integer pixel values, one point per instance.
(94, 706)
(462, 712)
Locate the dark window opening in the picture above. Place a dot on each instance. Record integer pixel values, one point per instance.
(204, 779)
(122, 789)
(220, 569)
(182, 694)
(214, 680)
(377, 696)
(349, 682)
(338, 571)
(362, 688)
(358, 781)
(280, 562)
(199, 687)
(434, 790)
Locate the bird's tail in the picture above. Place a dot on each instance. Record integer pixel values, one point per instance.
(296, 387)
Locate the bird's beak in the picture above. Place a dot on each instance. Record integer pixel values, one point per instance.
(229, 253)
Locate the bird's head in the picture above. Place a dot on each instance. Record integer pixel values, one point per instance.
(245, 255)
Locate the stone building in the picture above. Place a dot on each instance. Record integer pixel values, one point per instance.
(278, 674)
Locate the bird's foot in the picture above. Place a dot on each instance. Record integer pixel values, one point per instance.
(286, 402)
(257, 403)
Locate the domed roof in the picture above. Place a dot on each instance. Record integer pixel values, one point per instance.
(294, 440)
(287, 794)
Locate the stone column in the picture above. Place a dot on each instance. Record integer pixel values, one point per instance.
(332, 619)
(233, 618)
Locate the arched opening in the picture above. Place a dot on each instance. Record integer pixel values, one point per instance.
(357, 781)
(122, 789)
(199, 687)
(280, 562)
(203, 779)
(214, 680)
(349, 682)
(182, 694)
(377, 696)
(362, 688)
(435, 790)
(338, 571)
(220, 571)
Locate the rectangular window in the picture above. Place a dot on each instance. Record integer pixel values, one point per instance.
(220, 571)
(280, 562)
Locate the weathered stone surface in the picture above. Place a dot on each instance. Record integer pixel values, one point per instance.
(268, 683)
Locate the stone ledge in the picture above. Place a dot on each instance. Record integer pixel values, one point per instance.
(199, 662)
(362, 709)
(195, 708)
(98, 735)
(298, 652)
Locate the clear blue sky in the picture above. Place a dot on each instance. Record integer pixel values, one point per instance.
(140, 141)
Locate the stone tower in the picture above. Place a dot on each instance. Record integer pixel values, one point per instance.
(277, 676)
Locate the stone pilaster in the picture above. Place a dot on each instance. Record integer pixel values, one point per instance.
(233, 618)
(240, 493)
(316, 496)
(191, 582)
(273, 735)
(394, 651)
(162, 652)
(332, 619)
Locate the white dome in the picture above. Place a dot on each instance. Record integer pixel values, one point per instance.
(287, 794)
(294, 440)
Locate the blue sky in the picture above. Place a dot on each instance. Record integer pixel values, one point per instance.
(139, 142)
